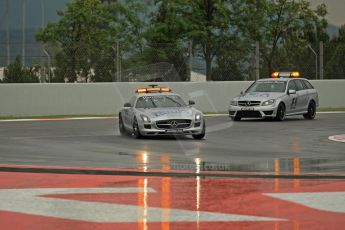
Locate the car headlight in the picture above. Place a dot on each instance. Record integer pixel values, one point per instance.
(234, 103)
(269, 102)
(145, 118)
(198, 117)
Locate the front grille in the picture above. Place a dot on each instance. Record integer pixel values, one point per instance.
(248, 114)
(169, 124)
(249, 103)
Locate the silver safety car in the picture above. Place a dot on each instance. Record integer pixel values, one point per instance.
(284, 94)
(157, 111)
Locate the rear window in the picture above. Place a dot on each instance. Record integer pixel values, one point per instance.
(308, 85)
(300, 85)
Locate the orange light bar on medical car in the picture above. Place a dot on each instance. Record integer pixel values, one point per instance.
(153, 90)
(295, 74)
(275, 74)
(285, 74)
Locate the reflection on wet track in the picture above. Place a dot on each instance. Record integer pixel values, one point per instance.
(294, 166)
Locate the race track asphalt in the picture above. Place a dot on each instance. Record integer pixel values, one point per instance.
(245, 146)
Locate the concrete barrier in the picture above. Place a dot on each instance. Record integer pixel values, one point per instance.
(108, 98)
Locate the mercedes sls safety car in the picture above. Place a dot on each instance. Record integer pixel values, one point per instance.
(157, 111)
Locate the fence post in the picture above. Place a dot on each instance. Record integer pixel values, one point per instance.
(190, 50)
(321, 60)
(8, 32)
(118, 61)
(23, 31)
(316, 67)
(257, 60)
(49, 64)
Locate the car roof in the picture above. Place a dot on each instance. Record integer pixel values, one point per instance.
(282, 79)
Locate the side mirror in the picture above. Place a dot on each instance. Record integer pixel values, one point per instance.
(242, 92)
(127, 104)
(291, 91)
(190, 102)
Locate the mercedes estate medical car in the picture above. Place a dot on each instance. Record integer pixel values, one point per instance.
(284, 94)
(157, 111)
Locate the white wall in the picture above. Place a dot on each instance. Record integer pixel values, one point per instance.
(108, 98)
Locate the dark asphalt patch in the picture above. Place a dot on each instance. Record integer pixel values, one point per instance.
(165, 174)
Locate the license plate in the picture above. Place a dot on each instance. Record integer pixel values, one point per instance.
(175, 131)
(247, 109)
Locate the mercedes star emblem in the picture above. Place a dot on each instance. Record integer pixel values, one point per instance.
(173, 124)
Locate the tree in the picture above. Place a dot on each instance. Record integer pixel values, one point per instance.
(278, 22)
(86, 30)
(335, 65)
(15, 73)
(204, 22)
(209, 22)
(166, 40)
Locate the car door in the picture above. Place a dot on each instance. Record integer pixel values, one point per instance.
(291, 99)
(128, 113)
(302, 96)
(311, 91)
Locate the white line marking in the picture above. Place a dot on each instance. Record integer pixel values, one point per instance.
(338, 138)
(28, 201)
(325, 201)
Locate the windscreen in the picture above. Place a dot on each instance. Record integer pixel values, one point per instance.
(267, 87)
(160, 101)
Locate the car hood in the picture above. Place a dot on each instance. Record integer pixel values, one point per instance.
(168, 113)
(258, 96)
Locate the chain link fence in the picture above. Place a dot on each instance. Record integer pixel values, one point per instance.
(172, 62)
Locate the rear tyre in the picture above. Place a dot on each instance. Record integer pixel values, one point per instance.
(136, 130)
(310, 115)
(202, 134)
(122, 128)
(281, 112)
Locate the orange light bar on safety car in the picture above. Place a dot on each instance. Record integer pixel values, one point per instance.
(285, 74)
(275, 74)
(295, 74)
(153, 90)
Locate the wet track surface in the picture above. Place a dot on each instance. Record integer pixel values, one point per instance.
(253, 174)
(249, 146)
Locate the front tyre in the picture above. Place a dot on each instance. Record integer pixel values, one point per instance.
(310, 115)
(236, 118)
(136, 130)
(281, 112)
(202, 134)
